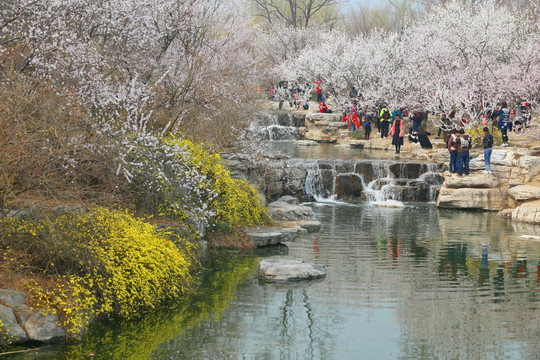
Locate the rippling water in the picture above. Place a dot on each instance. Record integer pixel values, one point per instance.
(412, 283)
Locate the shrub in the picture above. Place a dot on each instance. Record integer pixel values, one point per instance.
(108, 262)
(236, 202)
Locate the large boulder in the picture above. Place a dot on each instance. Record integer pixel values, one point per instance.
(493, 199)
(283, 211)
(12, 298)
(43, 327)
(349, 186)
(482, 181)
(285, 269)
(528, 212)
(15, 334)
(524, 192)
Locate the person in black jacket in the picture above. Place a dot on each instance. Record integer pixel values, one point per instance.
(488, 149)
(423, 138)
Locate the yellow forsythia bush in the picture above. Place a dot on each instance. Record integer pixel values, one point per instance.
(110, 263)
(237, 203)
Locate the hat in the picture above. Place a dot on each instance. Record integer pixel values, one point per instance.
(461, 131)
(485, 129)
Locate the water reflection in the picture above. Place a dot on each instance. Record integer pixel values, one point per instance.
(412, 283)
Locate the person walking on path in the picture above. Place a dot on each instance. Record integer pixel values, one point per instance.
(398, 132)
(386, 118)
(488, 149)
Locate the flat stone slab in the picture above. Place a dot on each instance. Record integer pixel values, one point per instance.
(267, 238)
(280, 269)
(394, 204)
(477, 181)
(525, 192)
(307, 143)
(357, 144)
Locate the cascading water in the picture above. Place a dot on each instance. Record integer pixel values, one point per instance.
(380, 189)
(275, 127)
(373, 181)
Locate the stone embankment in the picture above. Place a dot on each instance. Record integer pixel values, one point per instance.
(20, 323)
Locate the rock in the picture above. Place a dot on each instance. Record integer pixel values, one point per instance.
(357, 144)
(15, 333)
(310, 226)
(482, 181)
(530, 237)
(267, 237)
(472, 198)
(524, 192)
(529, 167)
(348, 186)
(282, 211)
(291, 200)
(390, 204)
(285, 269)
(12, 298)
(307, 143)
(43, 328)
(528, 212)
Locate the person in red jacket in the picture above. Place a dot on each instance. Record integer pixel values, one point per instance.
(323, 108)
(318, 90)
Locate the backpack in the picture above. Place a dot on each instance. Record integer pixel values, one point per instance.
(465, 143)
(386, 114)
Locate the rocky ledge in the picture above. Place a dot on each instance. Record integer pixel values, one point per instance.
(475, 191)
(291, 218)
(20, 324)
(278, 269)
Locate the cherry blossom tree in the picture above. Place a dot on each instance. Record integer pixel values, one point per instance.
(459, 57)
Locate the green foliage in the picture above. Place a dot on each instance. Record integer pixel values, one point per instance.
(109, 262)
(477, 135)
(357, 135)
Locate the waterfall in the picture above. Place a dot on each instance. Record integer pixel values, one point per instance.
(381, 188)
(275, 126)
(320, 183)
(373, 181)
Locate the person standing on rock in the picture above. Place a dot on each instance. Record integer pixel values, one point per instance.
(452, 148)
(386, 118)
(318, 90)
(398, 132)
(464, 143)
(488, 149)
(503, 123)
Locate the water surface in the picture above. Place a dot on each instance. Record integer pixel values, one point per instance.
(412, 283)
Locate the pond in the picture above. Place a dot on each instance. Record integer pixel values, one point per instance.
(326, 151)
(411, 283)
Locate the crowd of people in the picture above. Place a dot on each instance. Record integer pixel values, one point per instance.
(391, 123)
